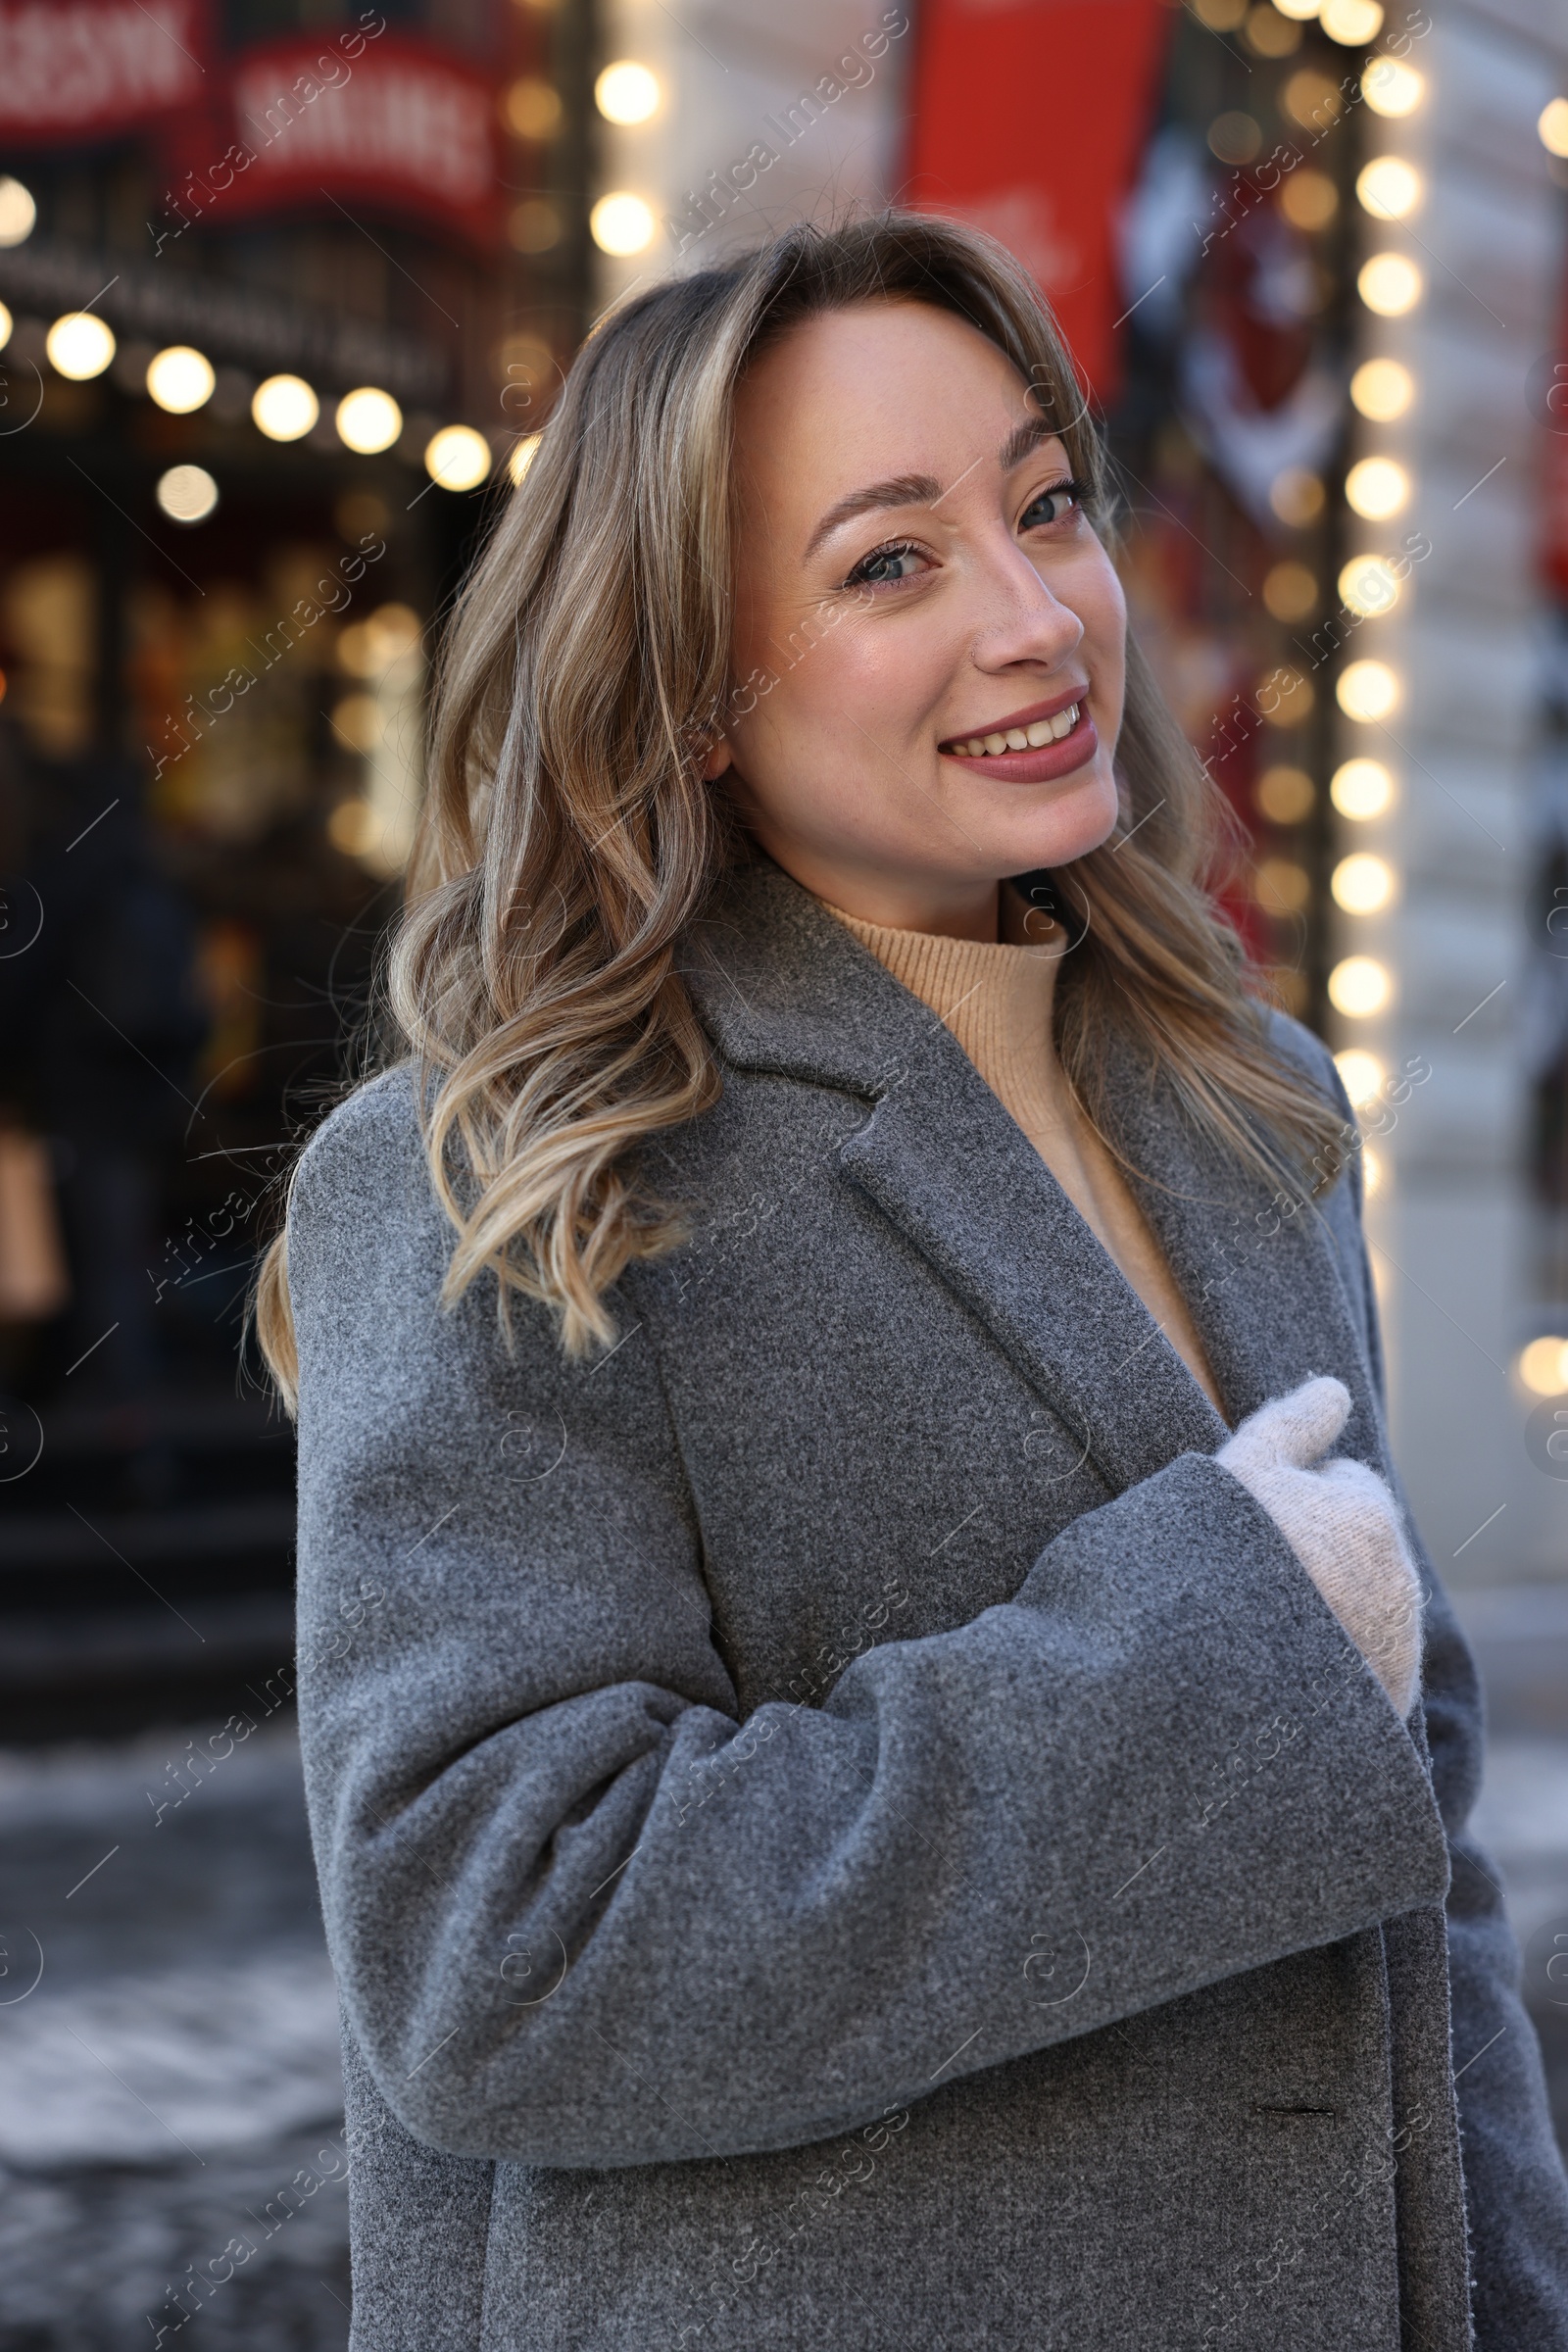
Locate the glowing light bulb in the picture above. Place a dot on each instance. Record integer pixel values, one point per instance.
(1553, 126)
(1361, 789)
(1361, 1074)
(1363, 884)
(1297, 495)
(532, 110)
(1378, 487)
(369, 421)
(80, 346)
(1389, 188)
(458, 458)
(1392, 88)
(1360, 987)
(180, 379)
(187, 493)
(626, 92)
(17, 212)
(1281, 886)
(1352, 23)
(1367, 586)
(1382, 390)
(1388, 285)
(1542, 1367)
(621, 223)
(284, 408)
(1284, 795)
(1367, 691)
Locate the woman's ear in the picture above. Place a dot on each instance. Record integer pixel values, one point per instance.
(719, 758)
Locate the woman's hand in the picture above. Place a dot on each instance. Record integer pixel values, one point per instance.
(1342, 1523)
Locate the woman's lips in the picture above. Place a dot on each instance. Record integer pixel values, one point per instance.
(1037, 765)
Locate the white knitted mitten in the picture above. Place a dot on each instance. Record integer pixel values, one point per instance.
(1342, 1523)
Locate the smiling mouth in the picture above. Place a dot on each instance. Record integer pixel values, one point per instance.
(1032, 737)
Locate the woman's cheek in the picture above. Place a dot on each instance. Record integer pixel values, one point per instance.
(1104, 618)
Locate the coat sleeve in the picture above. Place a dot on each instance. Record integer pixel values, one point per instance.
(1516, 2193)
(582, 1914)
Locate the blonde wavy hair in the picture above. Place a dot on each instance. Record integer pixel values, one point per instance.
(567, 839)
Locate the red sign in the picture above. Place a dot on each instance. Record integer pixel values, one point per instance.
(365, 116)
(1029, 121)
(79, 70)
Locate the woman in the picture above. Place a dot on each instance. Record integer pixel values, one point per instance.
(866, 1773)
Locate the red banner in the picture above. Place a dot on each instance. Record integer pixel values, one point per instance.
(1030, 121)
(364, 115)
(80, 70)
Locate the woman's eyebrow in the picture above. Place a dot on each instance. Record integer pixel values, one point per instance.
(904, 490)
(923, 489)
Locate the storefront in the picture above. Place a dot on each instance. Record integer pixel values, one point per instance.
(282, 288)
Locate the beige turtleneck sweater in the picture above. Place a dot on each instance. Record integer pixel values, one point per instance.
(997, 1000)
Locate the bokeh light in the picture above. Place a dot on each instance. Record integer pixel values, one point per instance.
(180, 379)
(1382, 390)
(1297, 495)
(1389, 188)
(1368, 586)
(1542, 1367)
(1352, 23)
(1360, 987)
(1378, 487)
(1368, 691)
(1362, 788)
(1290, 591)
(532, 110)
(1363, 884)
(17, 212)
(1308, 199)
(1389, 285)
(621, 223)
(187, 493)
(1553, 126)
(284, 408)
(369, 421)
(626, 92)
(1392, 88)
(80, 346)
(1281, 886)
(458, 458)
(1284, 796)
(1361, 1074)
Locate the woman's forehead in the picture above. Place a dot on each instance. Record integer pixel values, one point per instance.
(878, 391)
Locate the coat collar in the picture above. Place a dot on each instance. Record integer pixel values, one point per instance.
(783, 987)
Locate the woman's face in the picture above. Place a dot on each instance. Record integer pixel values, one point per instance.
(915, 575)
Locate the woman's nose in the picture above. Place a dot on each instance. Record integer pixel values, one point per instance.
(1021, 618)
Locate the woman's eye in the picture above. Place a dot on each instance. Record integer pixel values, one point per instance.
(1052, 506)
(884, 566)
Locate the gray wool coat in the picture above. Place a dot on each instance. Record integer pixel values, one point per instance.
(839, 1824)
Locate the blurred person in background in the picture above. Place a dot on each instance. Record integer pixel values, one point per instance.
(886, 1763)
(101, 1024)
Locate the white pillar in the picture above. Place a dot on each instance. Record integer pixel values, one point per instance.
(1449, 1221)
(765, 116)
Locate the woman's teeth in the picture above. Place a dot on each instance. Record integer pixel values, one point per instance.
(1020, 739)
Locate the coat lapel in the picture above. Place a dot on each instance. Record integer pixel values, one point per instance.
(784, 987)
(1257, 1267)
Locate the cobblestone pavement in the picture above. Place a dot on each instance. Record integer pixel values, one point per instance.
(170, 2095)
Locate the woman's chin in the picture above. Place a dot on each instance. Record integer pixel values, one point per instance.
(1069, 827)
